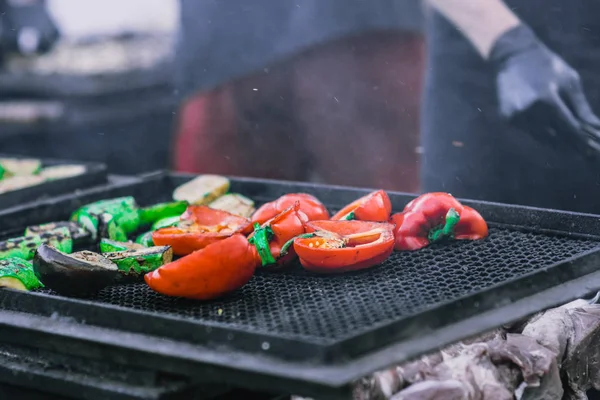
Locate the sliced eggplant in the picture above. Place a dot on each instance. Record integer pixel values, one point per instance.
(61, 172)
(202, 190)
(16, 273)
(150, 215)
(166, 222)
(135, 263)
(79, 274)
(24, 247)
(19, 182)
(110, 246)
(234, 203)
(21, 166)
(79, 234)
(145, 239)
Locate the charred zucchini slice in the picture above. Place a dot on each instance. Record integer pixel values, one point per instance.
(16, 273)
(202, 190)
(78, 233)
(24, 247)
(79, 274)
(139, 262)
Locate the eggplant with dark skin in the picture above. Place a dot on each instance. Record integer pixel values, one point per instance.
(24, 247)
(79, 274)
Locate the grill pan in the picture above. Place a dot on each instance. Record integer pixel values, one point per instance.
(297, 332)
(95, 174)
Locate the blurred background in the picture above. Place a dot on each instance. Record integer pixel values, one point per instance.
(209, 86)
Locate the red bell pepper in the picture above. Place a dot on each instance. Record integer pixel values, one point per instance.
(309, 205)
(212, 272)
(375, 207)
(339, 246)
(271, 238)
(435, 216)
(200, 226)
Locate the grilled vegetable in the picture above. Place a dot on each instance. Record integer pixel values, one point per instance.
(108, 228)
(16, 273)
(340, 246)
(138, 262)
(61, 171)
(201, 226)
(79, 274)
(78, 233)
(20, 166)
(202, 190)
(145, 239)
(212, 272)
(150, 215)
(235, 204)
(375, 207)
(270, 238)
(124, 213)
(432, 217)
(166, 222)
(24, 247)
(19, 182)
(309, 205)
(109, 246)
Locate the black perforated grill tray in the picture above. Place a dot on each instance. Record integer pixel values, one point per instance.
(95, 174)
(297, 325)
(325, 309)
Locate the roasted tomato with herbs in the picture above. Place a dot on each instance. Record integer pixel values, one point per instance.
(375, 207)
(340, 246)
(212, 272)
(433, 217)
(309, 205)
(199, 227)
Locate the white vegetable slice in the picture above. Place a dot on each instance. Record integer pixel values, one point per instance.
(202, 190)
(21, 166)
(19, 182)
(235, 204)
(61, 171)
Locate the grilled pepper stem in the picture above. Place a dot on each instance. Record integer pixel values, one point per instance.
(447, 229)
(260, 240)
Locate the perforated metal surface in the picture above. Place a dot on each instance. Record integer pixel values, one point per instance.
(295, 304)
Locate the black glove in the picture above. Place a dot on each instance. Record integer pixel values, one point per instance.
(27, 28)
(541, 94)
